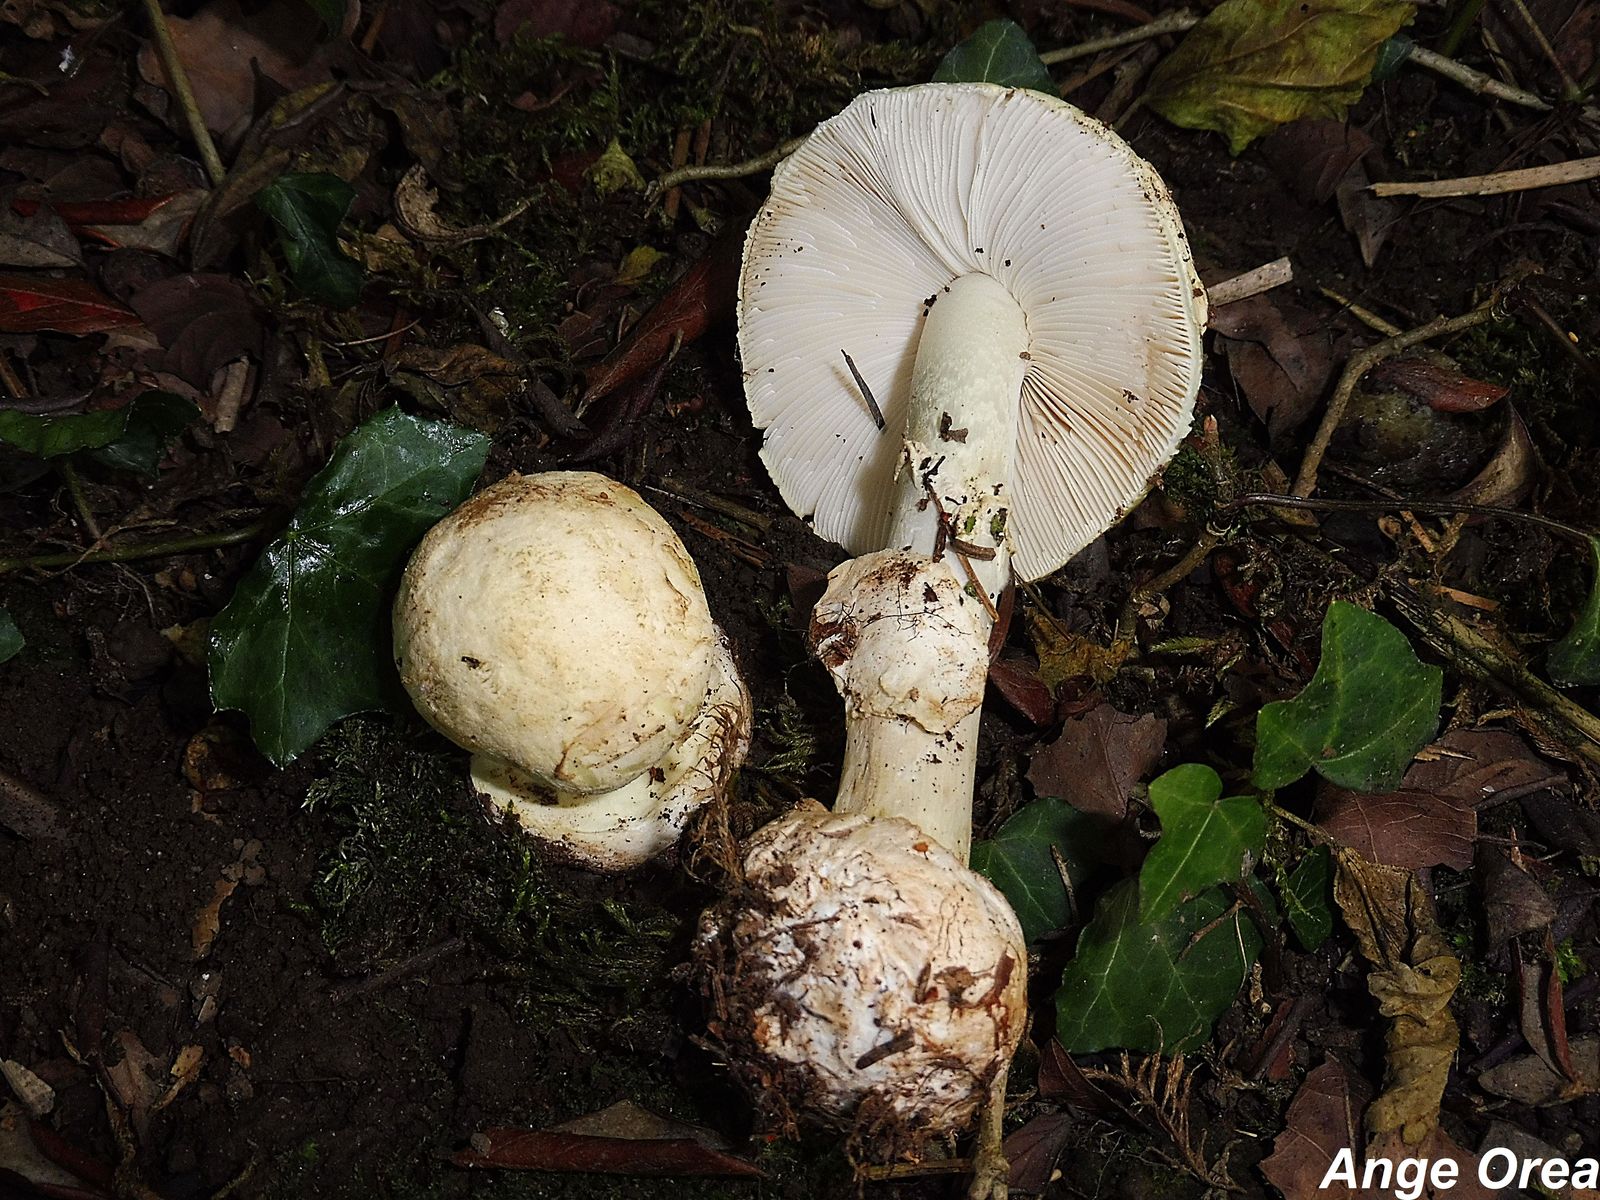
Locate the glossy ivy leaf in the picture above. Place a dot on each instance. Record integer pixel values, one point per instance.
(1575, 659)
(1205, 840)
(1308, 898)
(1366, 712)
(1158, 985)
(1017, 860)
(132, 437)
(11, 639)
(305, 639)
(307, 209)
(1252, 65)
(999, 52)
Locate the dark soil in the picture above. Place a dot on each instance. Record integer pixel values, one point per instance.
(392, 973)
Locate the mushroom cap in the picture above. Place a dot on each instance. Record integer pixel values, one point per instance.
(866, 975)
(618, 830)
(910, 188)
(556, 622)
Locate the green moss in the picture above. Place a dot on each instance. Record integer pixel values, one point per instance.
(415, 862)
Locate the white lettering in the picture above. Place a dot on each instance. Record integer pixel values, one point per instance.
(1413, 1173)
(1377, 1166)
(1527, 1170)
(1445, 1173)
(1485, 1168)
(1554, 1174)
(1587, 1173)
(1341, 1170)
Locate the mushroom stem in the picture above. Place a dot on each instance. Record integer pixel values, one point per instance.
(904, 634)
(961, 427)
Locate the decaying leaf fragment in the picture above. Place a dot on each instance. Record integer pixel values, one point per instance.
(1413, 975)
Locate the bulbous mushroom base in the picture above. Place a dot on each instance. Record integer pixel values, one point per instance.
(627, 826)
(864, 977)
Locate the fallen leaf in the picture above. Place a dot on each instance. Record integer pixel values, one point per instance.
(1407, 827)
(37, 1096)
(137, 1080)
(1251, 65)
(1437, 1146)
(1439, 387)
(1562, 824)
(1314, 156)
(623, 1139)
(1508, 475)
(1017, 680)
(1323, 1118)
(1528, 1079)
(275, 41)
(1065, 655)
(1368, 217)
(35, 304)
(1034, 1150)
(1412, 975)
(703, 295)
(1280, 355)
(34, 235)
(1482, 767)
(415, 204)
(204, 321)
(1099, 759)
(208, 921)
(1062, 1081)
(1514, 903)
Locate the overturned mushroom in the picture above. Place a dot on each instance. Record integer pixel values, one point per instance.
(1011, 285)
(555, 626)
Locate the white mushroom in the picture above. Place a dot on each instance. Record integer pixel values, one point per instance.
(841, 1000)
(1013, 284)
(555, 625)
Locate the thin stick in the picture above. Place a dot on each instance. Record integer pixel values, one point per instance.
(1179, 21)
(739, 170)
(1252, 283)
(1365, 315)
(1475, 82)
(1500, 182)
(866, 392)
(172, 65)
(80, 501)
(1360, 363)
(1567, 81)
(1427, 507)
(138, 550)
(966, 563)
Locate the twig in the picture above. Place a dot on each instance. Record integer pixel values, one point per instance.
(1365, 315)
(138, 550)
(1567, 81)
(685, 494)
(966, 563)
(1475, 82)
(866, 392)
(739, 170)
(1178, 21)
(1363, 361)
(80, 501)
(1477, 655)
(1427, 507)
(918, 1170)
(172, 65)
(991, 1173)
(1500, 182)
(1252, 283)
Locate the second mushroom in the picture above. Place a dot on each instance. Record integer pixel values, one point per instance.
(1023, 322)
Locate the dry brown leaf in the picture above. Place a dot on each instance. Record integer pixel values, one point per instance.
(1323, 1118)
(209, 919)
(1514, 903)
(1412, 976)
(37, 1096)
(1508, 475)
(1281, 356)
(184, 1071)
(1098, 759)
(136, 1080)
(1438, 1146)
(1406, 828)
(1528, 1079)
(1064, 655)
(1034, 1150)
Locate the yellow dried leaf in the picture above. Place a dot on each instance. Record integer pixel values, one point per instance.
(1065, 655)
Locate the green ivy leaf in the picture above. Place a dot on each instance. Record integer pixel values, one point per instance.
(1308, 898)
(999, 52)
(1017, 860)
(132, 437)
(1252, 65)
(307, 209)
(1156, 986)
(1575, 659)
(11, 639)
(305, 639)
(1366, 712)
(1204, 838)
